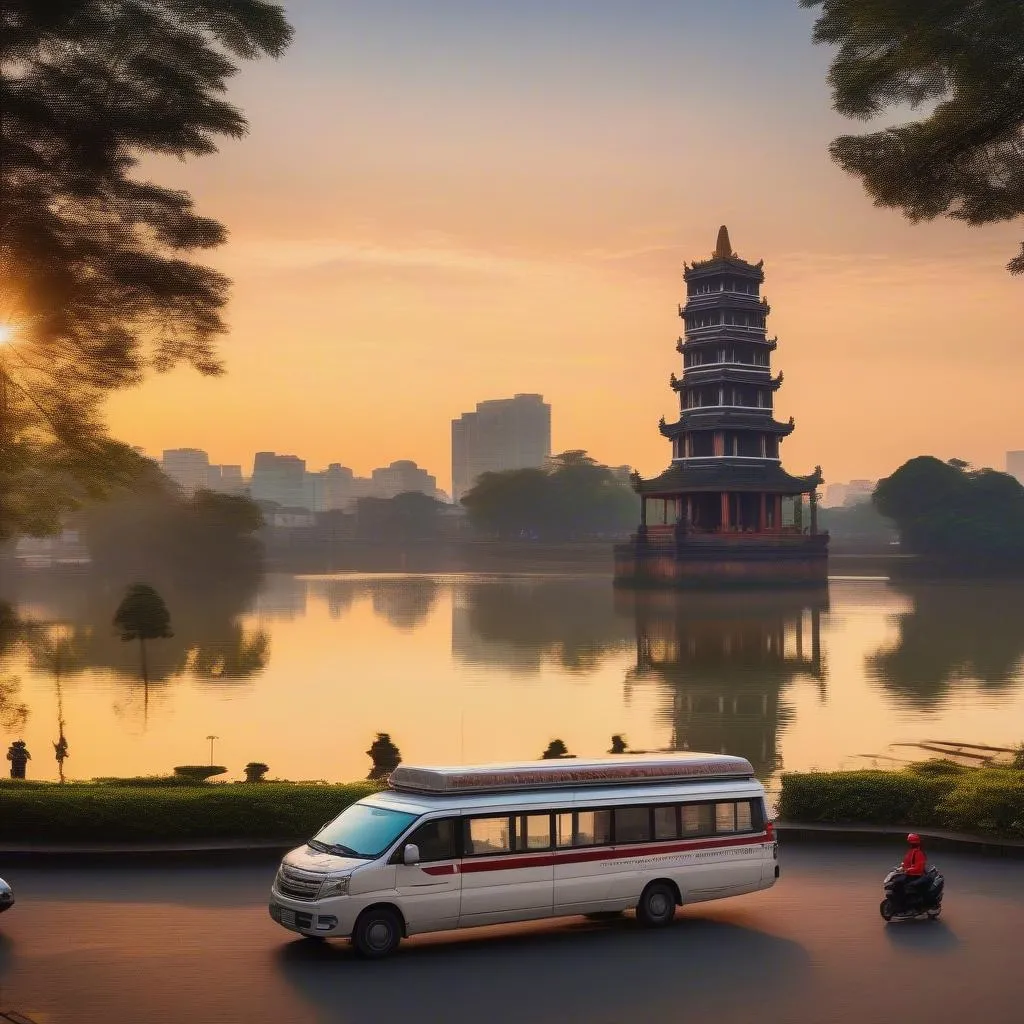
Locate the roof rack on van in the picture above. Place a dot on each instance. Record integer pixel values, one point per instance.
(548, 774)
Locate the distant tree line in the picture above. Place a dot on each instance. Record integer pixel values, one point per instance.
(968, 519)
(572, 498)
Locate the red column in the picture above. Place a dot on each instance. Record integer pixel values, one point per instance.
(762, 519)
(725, 511)
(778, 511)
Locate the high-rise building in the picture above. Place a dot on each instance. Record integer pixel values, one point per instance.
(400, 478)
(503, 433)
(1015, 465)
(189, 468)
(280, 479)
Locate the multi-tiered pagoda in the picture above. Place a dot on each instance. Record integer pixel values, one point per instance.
(725, 511)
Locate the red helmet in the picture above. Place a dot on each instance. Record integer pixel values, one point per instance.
(914, 839)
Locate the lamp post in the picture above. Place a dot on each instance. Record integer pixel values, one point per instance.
(211, 739)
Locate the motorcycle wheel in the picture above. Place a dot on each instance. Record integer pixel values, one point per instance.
(885, 908)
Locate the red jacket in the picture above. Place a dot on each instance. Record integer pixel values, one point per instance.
(914, 861)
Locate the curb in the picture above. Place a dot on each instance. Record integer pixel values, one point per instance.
(799, 832)
(153, 854)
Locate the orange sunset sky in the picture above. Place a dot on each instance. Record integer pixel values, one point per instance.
(442, 201)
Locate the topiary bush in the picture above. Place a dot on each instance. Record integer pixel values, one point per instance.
(863, 797)
(102, 812)
(986, 802)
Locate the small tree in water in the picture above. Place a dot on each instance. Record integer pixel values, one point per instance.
(142, 615)
(556, 749)
(385, 755)
(618, 744)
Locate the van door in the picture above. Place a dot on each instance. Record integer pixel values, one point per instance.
(429, 892)
(507, 869)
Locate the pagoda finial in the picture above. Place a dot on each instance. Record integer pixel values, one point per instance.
(723, 247)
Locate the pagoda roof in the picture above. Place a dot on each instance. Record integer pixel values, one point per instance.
(726, 418)
(724, 259)
(690, 475)
(729, 373)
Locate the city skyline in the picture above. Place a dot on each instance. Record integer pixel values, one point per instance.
(503, 235)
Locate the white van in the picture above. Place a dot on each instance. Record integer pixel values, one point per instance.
(458, 847)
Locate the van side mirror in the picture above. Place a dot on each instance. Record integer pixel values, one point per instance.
(411, 854)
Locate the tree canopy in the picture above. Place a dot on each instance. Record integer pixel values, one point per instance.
(945, 510)
(572, 497)
(142, 615)
(964, 59)
(95, 286)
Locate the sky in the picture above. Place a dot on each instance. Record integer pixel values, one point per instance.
(446, 201)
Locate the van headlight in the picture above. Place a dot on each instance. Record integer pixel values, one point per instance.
(334, 887)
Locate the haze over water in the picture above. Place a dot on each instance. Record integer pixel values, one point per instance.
(477, 668)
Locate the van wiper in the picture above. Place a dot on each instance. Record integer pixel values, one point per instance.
(318, 846)
(347, 850)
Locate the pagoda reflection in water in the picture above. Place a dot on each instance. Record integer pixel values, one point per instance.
(726, 660)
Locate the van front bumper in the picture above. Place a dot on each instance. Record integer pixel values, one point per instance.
(332, 918)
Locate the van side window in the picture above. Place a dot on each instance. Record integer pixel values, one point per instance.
(592, 828)
(697, 819)
(533, 831)
(666, 823)
(725, 817)
(563, 829)
(744, 816)
(488, 836)
(632, 824)
(436, 840)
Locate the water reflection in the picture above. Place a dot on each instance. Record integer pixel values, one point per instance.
(726, 661)
(404, 602)
(65, 626)
(520, 624)
(955, 634)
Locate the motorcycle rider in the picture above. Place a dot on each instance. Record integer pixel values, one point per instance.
(914, 867)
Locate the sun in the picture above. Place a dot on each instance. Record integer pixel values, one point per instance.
(7, 332)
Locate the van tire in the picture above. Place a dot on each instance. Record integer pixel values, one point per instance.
(377, 933)
(657, 906)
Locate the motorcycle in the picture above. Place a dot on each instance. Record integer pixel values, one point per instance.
(904, 899)
(6, 896)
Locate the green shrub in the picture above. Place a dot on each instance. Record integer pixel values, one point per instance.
(863, 797)
(144, 812)
(987, 802)
(932, 794)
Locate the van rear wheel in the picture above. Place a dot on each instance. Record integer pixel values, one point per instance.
(657, 906)
(377, 933)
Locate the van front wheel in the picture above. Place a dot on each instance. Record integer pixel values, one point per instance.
(377, 933)
(657, 906)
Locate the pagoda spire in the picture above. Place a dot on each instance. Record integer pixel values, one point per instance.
(723, 247)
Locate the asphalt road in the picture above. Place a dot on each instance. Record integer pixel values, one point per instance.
(183, 945)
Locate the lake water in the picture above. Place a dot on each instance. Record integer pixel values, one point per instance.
(462, 669)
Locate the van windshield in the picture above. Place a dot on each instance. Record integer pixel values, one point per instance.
(362, 830)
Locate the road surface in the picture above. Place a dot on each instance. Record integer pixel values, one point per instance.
(182, 945)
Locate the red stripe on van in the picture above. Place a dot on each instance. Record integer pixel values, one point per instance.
(506, 863)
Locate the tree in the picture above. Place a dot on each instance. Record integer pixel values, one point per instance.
(556, 751)
(965, 58)
(971, 519)
(95, 286)
(618, 744)
(142, 615)
(386, 757)
(572, 497)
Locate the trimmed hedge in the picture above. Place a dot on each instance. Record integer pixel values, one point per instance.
(139, 810)
(934, 794)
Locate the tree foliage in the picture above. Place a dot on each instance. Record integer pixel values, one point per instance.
(964, 59)
(142, 615)
(95, 286)
(972, 518)
(573, 497)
